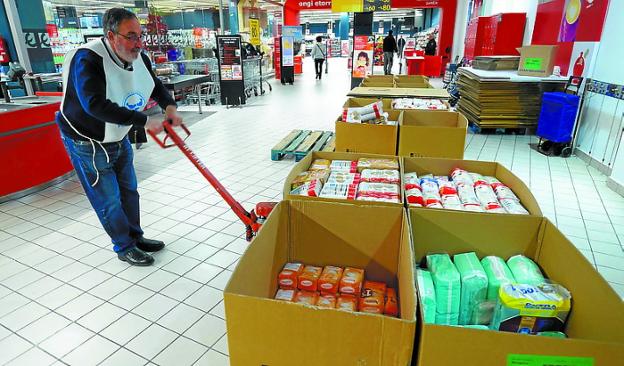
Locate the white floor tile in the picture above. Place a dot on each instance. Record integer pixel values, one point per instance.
(207, 330)
(158, 280)
(125, 358)
(203, 273)
(22, 279)
(223, 258)
(180, 318)
(12, 346)
(213, 358)
(125, 328)
(201, 252)
(152, 341)
(221, 280)
(44, 327)
(79, 306)
(182, 245)
(181, 265)
(101, 317)
(132, 297)
(181, 288)
(91, 353)
(11, 302)
(59, 296)
(182, 352)
(205, 298)
(33, 356)
(71, 271)
(135, 274)
(23, 316)
(155, 307)
(66, 340)
(222, 345)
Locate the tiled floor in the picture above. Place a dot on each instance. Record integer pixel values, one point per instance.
(66, 299)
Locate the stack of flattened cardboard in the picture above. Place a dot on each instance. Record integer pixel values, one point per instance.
(496, 62)
(497, 102)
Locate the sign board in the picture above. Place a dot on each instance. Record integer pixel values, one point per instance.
(288, 56)
(230, 60)
(377, 5)
(346, 6)
(362, 56)
(254, 32)
(292, 31)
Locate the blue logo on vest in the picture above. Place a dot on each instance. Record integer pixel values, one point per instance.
(134, 101)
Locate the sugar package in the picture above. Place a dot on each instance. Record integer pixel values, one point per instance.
(427, 293)
(492, 180)
(411, 181)
(361, 114)
(288, 277)
(498, 274)
(461, 176)
(478, 178)
(467, 194)
(473, 208)
(447, 283)
(452, 202)
(380, 176)
(513, 207)
(343, 166)
(524, 270)
(474, 285)
(430, 191)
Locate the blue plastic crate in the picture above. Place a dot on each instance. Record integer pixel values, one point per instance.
(557, 117)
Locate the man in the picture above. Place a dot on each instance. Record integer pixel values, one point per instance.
(401, 44)
(318, 55)
(107, 83)
(389, 48)
(430, 48)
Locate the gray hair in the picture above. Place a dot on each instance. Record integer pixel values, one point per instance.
(113, 17)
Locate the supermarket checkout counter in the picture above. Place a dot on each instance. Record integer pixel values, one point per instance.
(33, 155)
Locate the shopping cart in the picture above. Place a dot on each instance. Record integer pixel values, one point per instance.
(253, 219)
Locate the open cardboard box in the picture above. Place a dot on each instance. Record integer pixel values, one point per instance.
(596, 322)
(437, 166)
(386, 78)
(432, 134)
(305, 163)
(412, 84)
(368, 138)
(377, 83)
(411, 79)
(263, 331)
(362, 102)
(379, 92)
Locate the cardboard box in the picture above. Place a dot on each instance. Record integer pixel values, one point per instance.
(411, 79)
(361, 102)
(440, 134)
(594, 326)
(305, 163)
(438, 166)
(366, 92)
(407, 84)
(368, 138)
(377, 83)
(537, 60)
(263, 331)
(386, 78)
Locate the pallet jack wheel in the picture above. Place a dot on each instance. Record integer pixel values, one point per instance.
(545, 146)
(566, 152)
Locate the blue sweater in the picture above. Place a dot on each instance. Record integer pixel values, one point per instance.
(85, 102)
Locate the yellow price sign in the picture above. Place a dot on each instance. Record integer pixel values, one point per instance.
(254, 32)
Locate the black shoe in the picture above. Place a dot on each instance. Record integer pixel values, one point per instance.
(136, 257)
(149, 245)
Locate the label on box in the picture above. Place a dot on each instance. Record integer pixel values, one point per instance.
(533, 63)
(540, 360)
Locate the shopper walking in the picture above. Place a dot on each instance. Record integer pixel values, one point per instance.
(401, 44)
(389, 48)
(319, 52)
(430, 48)
(107, 83)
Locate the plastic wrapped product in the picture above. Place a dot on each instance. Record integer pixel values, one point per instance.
(473, 208)
(287, 278)
(327, 301)
(343, 166)
(513, 207)
(320, 164)
(308, 279)
(478, 178)
(452, 202)
(344, 178)
(379, 198)
(476, 326)
(372, 298)
(351, 282)
(427, 293)
(559, 335)
(377, 163)
(474, 285)
(461, 176)
(525, 271)
(381, 188)
(503, 192)
(430, 191)
(414, 197)
(411, 181)
(466, 193)
(492, 181)
(286, 295)
(380, 176)
(446, 187)
(307, 297)
(498, 274)
(483, 313)
(531, 309)
(485, 194)
(361, 114)
(309, 189)
(494, 208)
(447, 283)
(330, 279)
(339, 191)
(347, 303)
(309, 176)
(434, 204)
(392, 304)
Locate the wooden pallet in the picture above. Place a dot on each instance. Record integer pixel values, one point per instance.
(300, 142)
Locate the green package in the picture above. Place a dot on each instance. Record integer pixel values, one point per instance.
(525, 271)
(482, 327)
(498, 273)
(474, 285)
(447, 288)
(426, 290)
(482, 315)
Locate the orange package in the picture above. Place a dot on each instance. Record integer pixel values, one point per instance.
(351, 282)
(347, 303)
(308, 279)
(373, 297)
(392, 305)
(329, 280)
(327, 301)
(285, 295)
(287, 278)
(306, 297)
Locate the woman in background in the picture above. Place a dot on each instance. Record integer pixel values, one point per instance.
(318, 54)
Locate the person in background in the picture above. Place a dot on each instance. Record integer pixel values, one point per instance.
(430, 48)
(107, 83)
(401, 44)
(389, 48)
(318, 55)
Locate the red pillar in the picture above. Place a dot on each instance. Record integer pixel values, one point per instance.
(291, 15)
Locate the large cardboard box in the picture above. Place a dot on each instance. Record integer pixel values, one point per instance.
(386, 78)
(594, 326)
(361, 102)
(368, 138)
(537, 60)
(437, 166)
(439, 134)
(411, 79)
(407, 84)
(377, 83)
(305, 163)
(378, 92)
(263, 331)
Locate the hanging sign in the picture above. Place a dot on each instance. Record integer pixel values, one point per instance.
(254, 32)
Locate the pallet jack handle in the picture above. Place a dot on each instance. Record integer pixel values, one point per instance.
(249, 219)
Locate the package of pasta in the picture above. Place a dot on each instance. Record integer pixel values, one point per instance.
(347, 166)
(288, 277)
(320, 164)
(351, 281)
(377, 163)
(310, 189)
(344, 178)
(330, 279)
(411, 181)
(347, 303)
(461, 176)
(381, 176)
(327, 301)
(339, 191)
(286, 295)
(308, 279)
(524, 270)
(427, 294)
(307, 297)
(379, 198)
(391, 308)
(309, 176)
(414, 197)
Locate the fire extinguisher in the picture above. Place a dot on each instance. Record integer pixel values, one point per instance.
(4, 51)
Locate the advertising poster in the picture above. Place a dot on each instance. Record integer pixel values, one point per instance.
(230, 57)
(410, 43)
(344, 48)
(288, 57)
(362, 56)
(254, 32)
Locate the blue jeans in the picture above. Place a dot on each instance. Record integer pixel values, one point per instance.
(114, 198)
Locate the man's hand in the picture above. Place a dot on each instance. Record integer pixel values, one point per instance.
(154, 124)
(171, 113)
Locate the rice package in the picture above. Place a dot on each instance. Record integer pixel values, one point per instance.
(380, 176)
(474, 285)
(498, 273)
(427, 293)
(447, 283)
(525, 271)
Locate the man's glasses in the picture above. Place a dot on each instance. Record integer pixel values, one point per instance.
(132, 37)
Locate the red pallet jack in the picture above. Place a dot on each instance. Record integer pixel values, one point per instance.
(252, 220)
